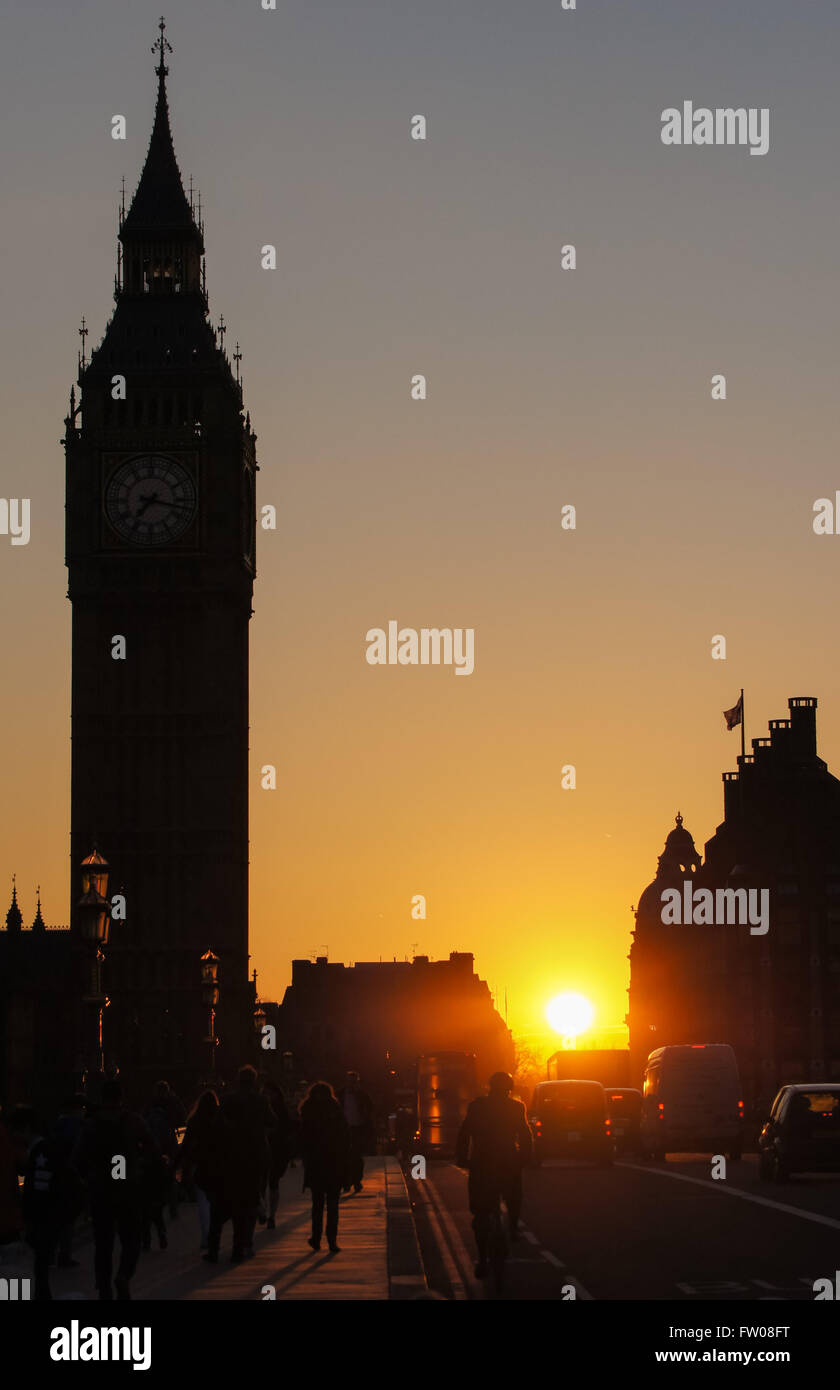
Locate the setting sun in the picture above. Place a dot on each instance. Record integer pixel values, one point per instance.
(570, 1014)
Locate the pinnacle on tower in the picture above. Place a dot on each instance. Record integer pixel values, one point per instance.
(14, 918)
(160, 203)
(39, 924)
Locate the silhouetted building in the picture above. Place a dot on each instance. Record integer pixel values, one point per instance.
(776, 996)
(377, 1018)
(40, 981)
(160, 502)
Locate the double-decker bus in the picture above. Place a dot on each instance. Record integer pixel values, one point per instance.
(446, 1083)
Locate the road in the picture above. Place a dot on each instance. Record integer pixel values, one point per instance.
(642, 1231)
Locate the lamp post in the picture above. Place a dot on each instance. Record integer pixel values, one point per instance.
(259, 1024)
(93, 911)
(210, 997)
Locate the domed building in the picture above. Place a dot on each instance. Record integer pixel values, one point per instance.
(774, 995)
(665, 1005)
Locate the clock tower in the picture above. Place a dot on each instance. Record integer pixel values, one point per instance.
(160, 549)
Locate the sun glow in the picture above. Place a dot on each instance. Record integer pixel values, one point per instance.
(570, 1014)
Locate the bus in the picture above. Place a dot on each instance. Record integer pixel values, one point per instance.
(446, 1083)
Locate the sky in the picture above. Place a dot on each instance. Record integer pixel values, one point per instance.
(546, 388)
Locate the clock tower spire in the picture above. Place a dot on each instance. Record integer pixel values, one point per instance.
(160, 548)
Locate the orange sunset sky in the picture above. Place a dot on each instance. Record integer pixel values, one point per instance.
(545, 387)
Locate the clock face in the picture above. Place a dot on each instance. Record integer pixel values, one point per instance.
(150, 500)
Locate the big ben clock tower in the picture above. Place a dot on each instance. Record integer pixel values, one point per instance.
(160, 502)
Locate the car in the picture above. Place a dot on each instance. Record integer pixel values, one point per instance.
(569, 1120)
(802, 1132)
(691, 1101)
(624, 1108)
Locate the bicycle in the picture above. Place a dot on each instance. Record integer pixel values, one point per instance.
(497, 1246)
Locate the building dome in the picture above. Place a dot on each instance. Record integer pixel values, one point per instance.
(678, 859)
(679, 847)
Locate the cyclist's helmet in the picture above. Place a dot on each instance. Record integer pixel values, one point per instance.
(501, 1083)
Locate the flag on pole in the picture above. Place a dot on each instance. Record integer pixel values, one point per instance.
(735, 715)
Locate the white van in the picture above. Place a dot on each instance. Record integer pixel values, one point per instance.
(692, 1101)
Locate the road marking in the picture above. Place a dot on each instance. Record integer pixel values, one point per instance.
(459, 1249)
(551, 1258)
(452, 1274)
(737, 1192)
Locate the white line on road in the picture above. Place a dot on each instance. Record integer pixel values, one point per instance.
(738, 1192)
(551, 1258)
(459, 1249)
(451, 1268)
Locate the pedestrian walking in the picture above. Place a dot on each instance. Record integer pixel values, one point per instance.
(358, 1112)
(159, 1169)
(177, 1114)
(66, 1133)
(11, 1216)
(115, 1146)
(325, 1144)
(50, 1192)
(248, 1120)
(202, 1159)
(280, 1141)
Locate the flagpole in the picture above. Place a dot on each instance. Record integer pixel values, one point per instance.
(743, 728)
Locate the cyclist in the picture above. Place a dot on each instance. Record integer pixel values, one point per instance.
(494, 1143)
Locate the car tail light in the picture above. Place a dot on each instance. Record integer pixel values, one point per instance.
(661, 1108)
(740, 1110)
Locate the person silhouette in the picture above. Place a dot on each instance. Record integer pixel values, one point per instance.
(248, 1120)
(325, 1144)
(114, 1152)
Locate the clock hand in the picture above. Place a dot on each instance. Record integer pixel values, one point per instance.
(147, 502)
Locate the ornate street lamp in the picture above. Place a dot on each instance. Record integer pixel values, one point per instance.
(259, 1024)
(210, 997)
(93, 914)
